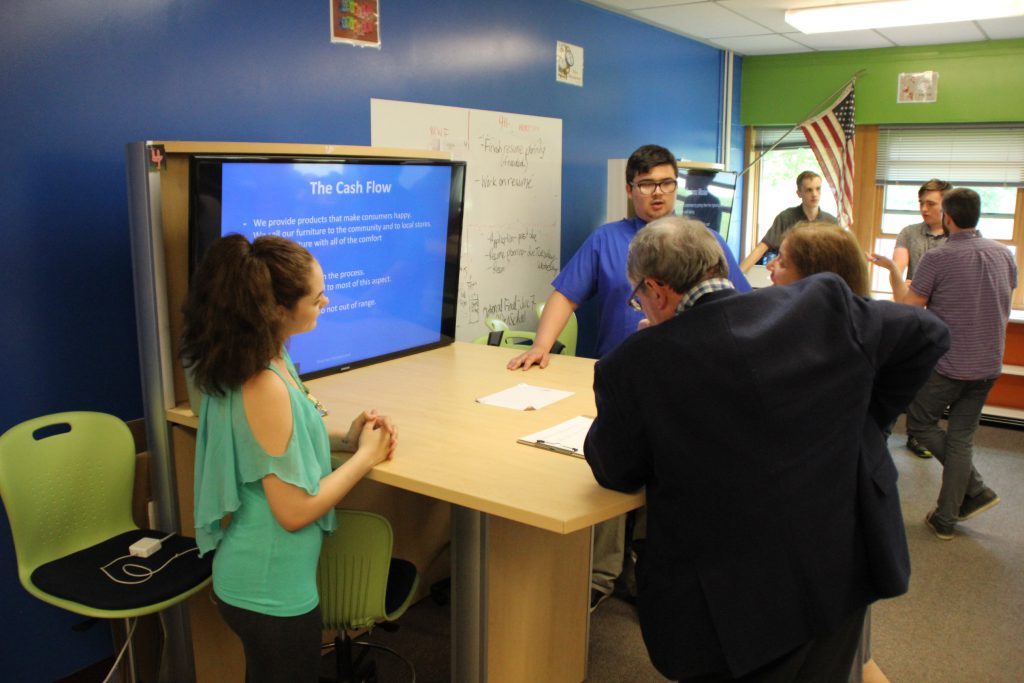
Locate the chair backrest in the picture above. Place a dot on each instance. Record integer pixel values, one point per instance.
(66, 481)
(569, 334)
(520, 339)
(501, 335)
(497, 329)
(352, 576)
(496, 324)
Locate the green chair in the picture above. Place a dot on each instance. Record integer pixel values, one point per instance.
(66, 481)
(501, 335)
(497, 328)
(569, 333)
(495, 324)
(361, 586)
(521, 339)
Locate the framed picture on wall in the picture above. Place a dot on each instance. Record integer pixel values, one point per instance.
(356, 22)
(916, 88)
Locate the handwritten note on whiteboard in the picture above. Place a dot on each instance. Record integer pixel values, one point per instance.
(512, 225)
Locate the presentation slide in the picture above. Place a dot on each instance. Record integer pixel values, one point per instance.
(378, 231)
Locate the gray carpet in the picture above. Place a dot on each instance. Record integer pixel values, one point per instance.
(960, 622)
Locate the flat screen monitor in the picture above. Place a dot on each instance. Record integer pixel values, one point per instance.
(708, 196)
(386, 232)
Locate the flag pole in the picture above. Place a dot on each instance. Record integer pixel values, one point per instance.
(815, 110)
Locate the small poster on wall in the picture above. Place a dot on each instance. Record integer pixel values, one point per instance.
(918, 87)
(356, 22)
(569, 64)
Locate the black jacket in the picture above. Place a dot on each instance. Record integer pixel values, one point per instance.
(754, 420)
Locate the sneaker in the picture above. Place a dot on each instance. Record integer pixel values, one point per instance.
(597, 597)
(975, 505)
(918, 449)
(943, 531)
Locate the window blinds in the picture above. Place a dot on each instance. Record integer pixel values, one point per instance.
(974, 155)
(791, 138)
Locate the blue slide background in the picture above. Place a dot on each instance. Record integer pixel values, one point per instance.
(384, 279)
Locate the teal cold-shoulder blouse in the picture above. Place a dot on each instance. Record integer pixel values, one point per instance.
(259, 566)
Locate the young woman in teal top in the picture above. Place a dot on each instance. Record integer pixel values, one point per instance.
(264, 490)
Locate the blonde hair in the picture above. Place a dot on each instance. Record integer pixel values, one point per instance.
(826, 248)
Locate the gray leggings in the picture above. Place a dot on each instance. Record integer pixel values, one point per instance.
(277, 649)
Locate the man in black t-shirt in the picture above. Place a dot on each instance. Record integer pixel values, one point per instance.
(808, 189)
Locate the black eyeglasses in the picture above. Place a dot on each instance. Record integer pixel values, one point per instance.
(646, 187)
(634, 302)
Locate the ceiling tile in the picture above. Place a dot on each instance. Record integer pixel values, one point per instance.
(935, 34)
(769, 13)
(999, 29)
(772, 13)
(760, 45)
(704, 19)
(842, 40)
(636, 4)
(759, 26)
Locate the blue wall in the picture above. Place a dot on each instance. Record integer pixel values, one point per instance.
(82, 79)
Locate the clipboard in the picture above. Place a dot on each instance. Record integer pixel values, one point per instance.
(566, 437)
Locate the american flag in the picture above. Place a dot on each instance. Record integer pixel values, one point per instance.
(830, 135)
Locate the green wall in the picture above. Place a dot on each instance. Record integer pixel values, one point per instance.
(978, 82)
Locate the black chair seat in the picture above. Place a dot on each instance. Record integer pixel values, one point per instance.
(78, 577)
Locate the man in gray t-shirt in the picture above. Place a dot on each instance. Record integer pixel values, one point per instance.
(914, 240)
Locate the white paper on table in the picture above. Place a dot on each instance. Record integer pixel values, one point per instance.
(524, 397)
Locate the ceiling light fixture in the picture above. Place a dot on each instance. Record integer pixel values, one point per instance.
(870, 15)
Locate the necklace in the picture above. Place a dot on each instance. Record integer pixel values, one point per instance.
(316, 402)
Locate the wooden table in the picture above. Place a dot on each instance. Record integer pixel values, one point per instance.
(521, 516)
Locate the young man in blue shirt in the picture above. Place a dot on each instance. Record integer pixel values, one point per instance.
(599, 267)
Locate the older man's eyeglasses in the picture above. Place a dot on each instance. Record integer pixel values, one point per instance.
(633, 301)
(646, 187)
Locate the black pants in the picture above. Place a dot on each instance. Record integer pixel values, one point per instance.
(277, 649)
(828, 659)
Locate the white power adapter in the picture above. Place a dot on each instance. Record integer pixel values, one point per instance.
(144, 547)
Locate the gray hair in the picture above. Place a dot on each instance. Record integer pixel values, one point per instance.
(681, 252)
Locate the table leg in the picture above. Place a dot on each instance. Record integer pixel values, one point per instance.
(520, 601)
(468, 608)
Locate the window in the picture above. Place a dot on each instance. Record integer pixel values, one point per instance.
(777, 171)
(997, 206)
(987, 159)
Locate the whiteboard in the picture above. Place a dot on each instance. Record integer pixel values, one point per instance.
(511, 238)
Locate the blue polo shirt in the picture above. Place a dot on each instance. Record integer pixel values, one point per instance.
(598, 269)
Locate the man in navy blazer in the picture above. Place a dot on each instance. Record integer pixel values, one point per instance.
(754, 421)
